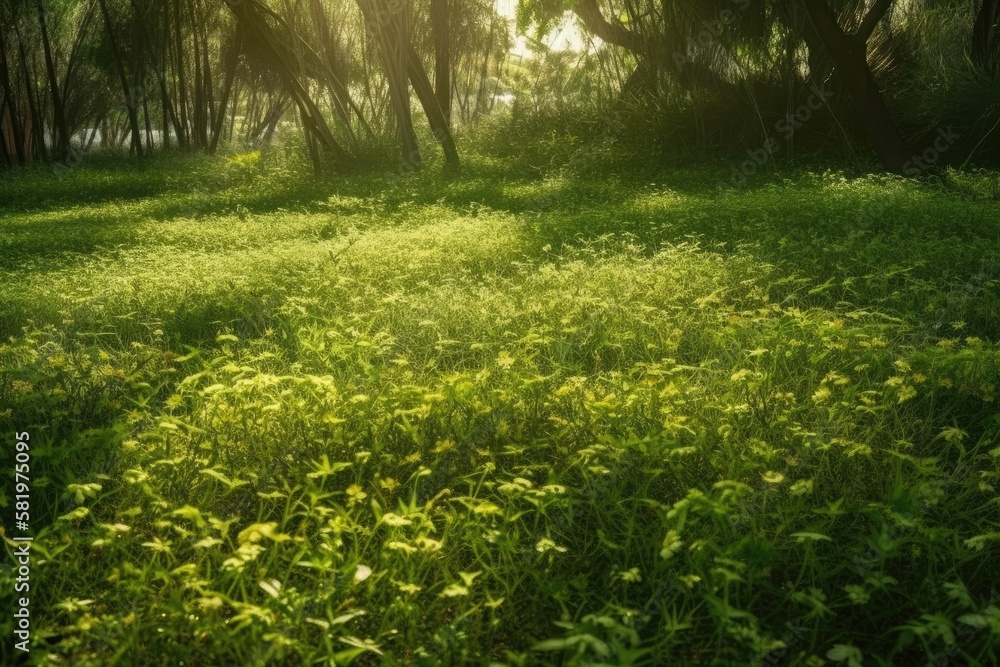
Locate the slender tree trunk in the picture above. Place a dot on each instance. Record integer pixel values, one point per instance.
(185, 137)
(58, 111)
(93, 131)
(5, 85)
(149, 125)
(197, 96)
(986, 36)
(440, 26)
(140, 87)
(168, 105)
(390, 26)
(310, 142)
(481, 92)
(78, 43)
(232, 60)
(250, 13)
(133, 118)
(336, 73)
(37, 121)
(206, 69)
(3, 136)
(237, 91)
(432, 108)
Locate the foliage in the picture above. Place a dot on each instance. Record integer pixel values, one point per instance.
(575, 416)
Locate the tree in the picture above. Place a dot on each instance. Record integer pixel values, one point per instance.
(58, 110)
(696, 42)
(254, 16)
(127, 90)
(440, 23)
(986, 36)
(390, 26)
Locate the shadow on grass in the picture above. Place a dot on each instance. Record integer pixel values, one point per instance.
(929, 251)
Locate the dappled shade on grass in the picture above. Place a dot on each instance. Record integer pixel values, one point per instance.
(494, 417)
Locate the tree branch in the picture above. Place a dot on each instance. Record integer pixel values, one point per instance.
(611, 32)
(872, 18)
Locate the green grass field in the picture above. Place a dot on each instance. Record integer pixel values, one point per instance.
(621, 417)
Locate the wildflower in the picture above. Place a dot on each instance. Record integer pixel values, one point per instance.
(821, 395)
(953, 435)
(444, 446)
(802, 487)
(411, 589)
(207, 543)
(858, 594)
(454, 591)
(486, 507)
(772, 477)
(257, 531)
(630, 575)
(671, 545)
(401, 546)
(355, 494)
(428, 544)
(391, 519)
(739, 375)
(545, 544)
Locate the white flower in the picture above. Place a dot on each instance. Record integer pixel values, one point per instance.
(545, 544)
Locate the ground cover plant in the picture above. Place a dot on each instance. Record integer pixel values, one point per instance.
(505, 416)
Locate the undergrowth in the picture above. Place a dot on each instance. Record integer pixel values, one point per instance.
(574, 417)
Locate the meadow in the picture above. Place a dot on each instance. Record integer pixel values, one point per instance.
(515, 415)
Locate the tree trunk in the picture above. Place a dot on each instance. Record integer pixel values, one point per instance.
(79, 42)
(432, 108)
(169, 114)
(15, 123)
(849, 56)
(184, 137)
(440, 26)
(390, 26)
(250, 13)
(339, 93)
(986, 36)
(197, 96)
(37, 122)
(133, 117)
(232, 60)
(58, 111)
(484, 72)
